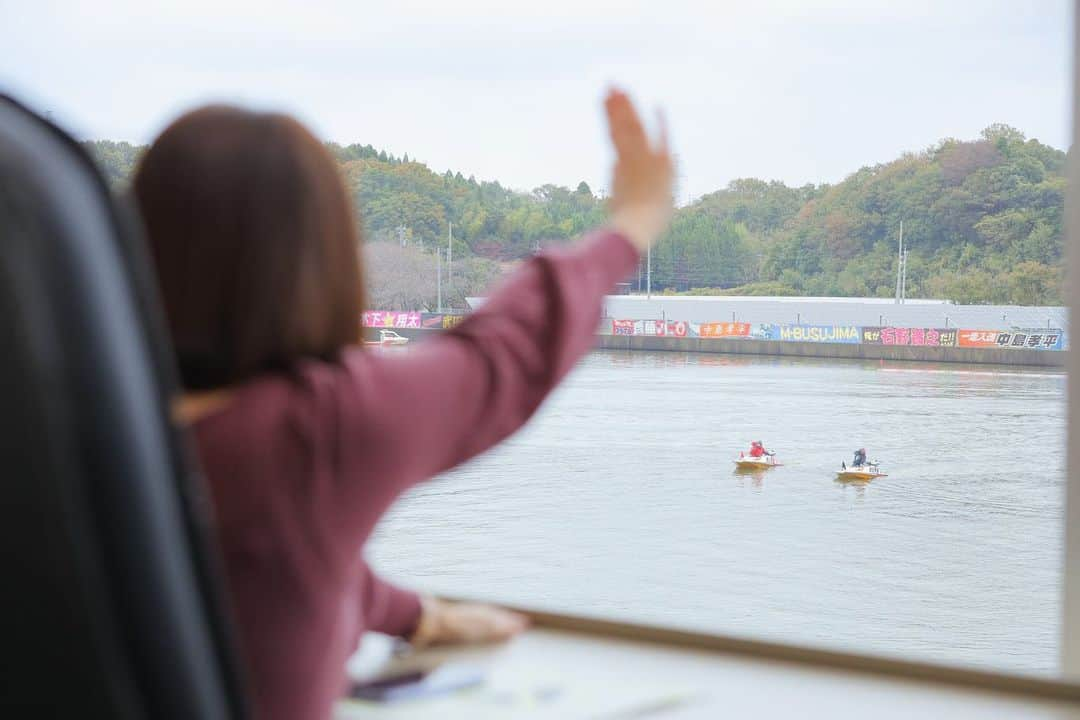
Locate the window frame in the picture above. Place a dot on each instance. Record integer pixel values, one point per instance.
(1070, 639)
(1065, 685)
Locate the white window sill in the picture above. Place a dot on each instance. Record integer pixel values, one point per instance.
(549, 673)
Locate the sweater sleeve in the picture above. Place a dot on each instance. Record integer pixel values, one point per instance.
(386, 608)
(409, 417)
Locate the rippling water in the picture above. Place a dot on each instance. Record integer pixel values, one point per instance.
(619, 499)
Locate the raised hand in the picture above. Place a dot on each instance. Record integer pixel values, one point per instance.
(641, 187)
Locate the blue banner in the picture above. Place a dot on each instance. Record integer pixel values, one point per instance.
(1035, 339)
(847, 334)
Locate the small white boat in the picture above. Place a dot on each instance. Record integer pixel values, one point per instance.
(748, 462)
(860, 472)
(388, 337)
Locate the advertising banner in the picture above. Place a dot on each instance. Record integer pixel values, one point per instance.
(1020, 339)
(449, 321)
(977, 338)
(1031, 339)
(765, 332)
(650, 327)
(848, 334)
(724, 329)
(388, 319)
(656, 328)
(1037, 338)
(916, 337)
(431, 321)
(678, 328)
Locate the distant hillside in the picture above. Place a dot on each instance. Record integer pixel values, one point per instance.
(983, 220)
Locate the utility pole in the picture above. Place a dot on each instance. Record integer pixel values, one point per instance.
(903, 281)
(648, 272)
(438, 276)
(900, 264)
(450, 260)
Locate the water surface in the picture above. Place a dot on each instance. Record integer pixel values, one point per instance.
(619, 499)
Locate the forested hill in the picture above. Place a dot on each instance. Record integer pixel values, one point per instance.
(983, 220)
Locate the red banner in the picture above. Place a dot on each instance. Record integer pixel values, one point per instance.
(978, 338)
(724, 329)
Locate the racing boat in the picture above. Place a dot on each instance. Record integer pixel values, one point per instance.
(748, 462)
(388, 337)
(860, 472)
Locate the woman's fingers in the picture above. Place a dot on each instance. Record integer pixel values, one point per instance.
(641, 189)
(458, 623)
(503, 624)
(484, 623)
(627, 133)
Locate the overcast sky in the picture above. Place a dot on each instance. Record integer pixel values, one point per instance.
(796, 90)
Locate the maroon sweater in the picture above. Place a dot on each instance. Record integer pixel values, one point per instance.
(302, 466)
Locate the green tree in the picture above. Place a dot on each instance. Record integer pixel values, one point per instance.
(983, 221)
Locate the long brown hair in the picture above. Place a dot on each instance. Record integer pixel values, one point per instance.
(255, 243)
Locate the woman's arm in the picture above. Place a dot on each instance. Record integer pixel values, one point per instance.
(427, 620)
(386, 608)
(458, 394)
(408, 418)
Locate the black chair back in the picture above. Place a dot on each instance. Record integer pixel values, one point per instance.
(110, 599)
